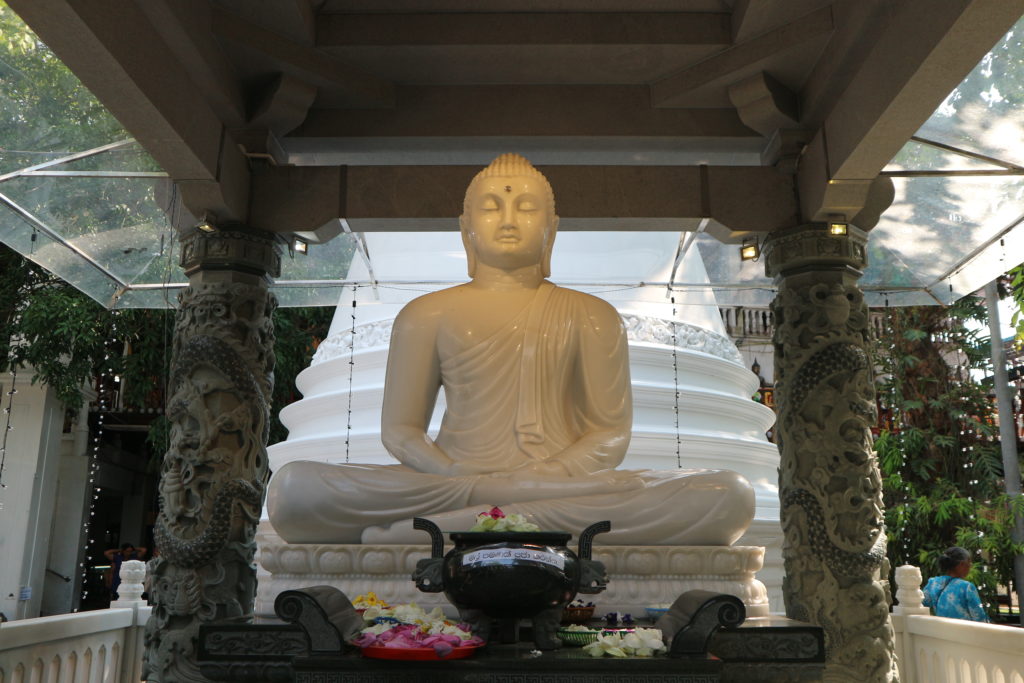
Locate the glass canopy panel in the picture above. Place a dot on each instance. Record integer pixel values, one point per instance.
(45, 112)
(117, 221)
(917, 156)
(127, 158)
(936, 225)
(984, 113)
(329, 261)
(23, 236)
(158, 297)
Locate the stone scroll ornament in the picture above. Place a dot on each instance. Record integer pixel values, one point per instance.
(829, 483)
(214, 473)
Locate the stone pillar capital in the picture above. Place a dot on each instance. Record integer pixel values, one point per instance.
(247, 251)
(812, 247)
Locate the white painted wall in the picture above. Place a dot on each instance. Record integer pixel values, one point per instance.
(30, 479)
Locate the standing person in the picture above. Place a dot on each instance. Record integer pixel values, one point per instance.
(951, 595)
(116, 557)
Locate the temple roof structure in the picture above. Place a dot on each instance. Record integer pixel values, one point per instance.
(716, 120)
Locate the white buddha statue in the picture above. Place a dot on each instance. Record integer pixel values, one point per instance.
(539, 407)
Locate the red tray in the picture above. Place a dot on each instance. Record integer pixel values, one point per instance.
(416, 653)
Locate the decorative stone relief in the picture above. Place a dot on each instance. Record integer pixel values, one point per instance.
(829, 484)
(639, 328)
(643, 575)
(215, 472)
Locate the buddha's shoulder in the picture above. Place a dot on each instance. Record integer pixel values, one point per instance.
(432, 305)
(593, 306)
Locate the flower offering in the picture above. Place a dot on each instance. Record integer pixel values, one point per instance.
(370, 599)
(643, 642)
(408, 626)
(496, 520)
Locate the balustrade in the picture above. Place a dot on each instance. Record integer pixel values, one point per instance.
(939, 650)
(101, 646)
(757, 322)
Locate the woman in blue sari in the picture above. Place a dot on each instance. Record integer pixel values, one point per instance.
(951, 595)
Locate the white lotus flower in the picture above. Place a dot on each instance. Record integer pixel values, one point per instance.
(610, 644)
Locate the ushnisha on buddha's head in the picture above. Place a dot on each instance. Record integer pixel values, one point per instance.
(508, 217)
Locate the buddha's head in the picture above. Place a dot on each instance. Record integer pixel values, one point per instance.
(508, 217)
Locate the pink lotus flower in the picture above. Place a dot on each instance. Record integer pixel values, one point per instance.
(495, 513)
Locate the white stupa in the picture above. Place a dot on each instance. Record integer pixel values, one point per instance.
(714, 424)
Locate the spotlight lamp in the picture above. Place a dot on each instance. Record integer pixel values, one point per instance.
(750, 250)
(206, 224)
(300, 246)
(837, 228)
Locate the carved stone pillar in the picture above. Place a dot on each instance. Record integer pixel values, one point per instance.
(215, 472)
(829, 483)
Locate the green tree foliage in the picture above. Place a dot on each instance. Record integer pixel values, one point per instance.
(45, 110)
(939, 455)
(1016, 282)
(68, 341)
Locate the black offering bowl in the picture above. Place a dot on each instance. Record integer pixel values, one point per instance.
(511, 575)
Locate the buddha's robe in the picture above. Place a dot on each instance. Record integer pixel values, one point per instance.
(552, 383)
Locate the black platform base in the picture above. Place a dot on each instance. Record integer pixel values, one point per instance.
(709, 641)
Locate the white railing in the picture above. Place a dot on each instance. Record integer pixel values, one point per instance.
(939, 650)
(101, 646)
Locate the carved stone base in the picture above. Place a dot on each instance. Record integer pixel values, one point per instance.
(640, 576)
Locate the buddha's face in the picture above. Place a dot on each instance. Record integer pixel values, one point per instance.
(508, 223)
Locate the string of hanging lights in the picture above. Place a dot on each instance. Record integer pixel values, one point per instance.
(102, 407)
(351, 371)
(7, 428)
(675, 380)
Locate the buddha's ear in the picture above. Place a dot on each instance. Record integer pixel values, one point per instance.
(467, 244)
(549, 245)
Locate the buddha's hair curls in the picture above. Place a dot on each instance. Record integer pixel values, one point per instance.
(507, 166)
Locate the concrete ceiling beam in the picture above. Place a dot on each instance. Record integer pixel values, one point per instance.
(400, 198)
(185, 27)
(304, 62)
(897, 86)
(543, 110)
(523, 28)
(298, 199)
(672, 90)
(502, 6)
(751, 18)
(283, 105)
(764, 104)
(293, 19)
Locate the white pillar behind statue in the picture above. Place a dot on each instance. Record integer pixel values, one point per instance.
(27, 499)
(71, 506)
